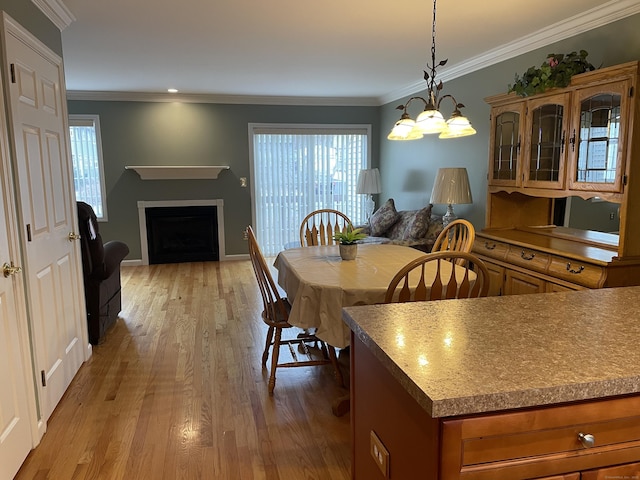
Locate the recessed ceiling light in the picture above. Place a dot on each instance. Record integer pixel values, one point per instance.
(172, 90)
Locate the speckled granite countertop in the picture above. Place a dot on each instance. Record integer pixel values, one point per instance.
(458, 357)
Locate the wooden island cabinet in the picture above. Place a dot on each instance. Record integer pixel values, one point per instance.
(514, 387)
(581, 141)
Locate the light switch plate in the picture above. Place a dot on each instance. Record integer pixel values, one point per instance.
(380, 454)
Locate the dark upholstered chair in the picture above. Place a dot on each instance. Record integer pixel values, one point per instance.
(101, 269)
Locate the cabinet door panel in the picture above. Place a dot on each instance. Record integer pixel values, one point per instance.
(496, 279)
(517, 283)
(569, 476)
(545, 145)
(554, 287)
(598, 137)
(506, 136)
(630, 471)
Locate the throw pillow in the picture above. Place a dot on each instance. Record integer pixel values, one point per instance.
(396, 231)
(383, 218)
(417, 227)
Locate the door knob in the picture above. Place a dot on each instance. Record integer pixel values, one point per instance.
(8, 270)
(73, 236)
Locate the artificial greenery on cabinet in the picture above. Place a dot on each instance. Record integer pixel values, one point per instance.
(555, 71)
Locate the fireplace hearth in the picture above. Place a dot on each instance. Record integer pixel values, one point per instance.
(179, 234)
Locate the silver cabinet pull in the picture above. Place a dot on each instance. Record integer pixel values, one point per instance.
(489, 246)
(587, 440)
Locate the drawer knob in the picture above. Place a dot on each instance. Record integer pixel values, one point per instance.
(574, 270)
(526, 256)
(587, 440)
(489, 246)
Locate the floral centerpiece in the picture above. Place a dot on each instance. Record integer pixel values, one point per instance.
(555, 71)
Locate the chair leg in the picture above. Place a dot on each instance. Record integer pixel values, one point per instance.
(336, 367)
(265, 354)
(274, 360)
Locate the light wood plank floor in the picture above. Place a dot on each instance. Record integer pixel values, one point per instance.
(177, 391)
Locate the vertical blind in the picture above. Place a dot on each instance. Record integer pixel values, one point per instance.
(86, 157)
(297, 170)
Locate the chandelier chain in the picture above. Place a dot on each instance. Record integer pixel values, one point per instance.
(432, 78)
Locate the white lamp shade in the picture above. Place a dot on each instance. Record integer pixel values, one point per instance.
(451, 187)
(369, 181)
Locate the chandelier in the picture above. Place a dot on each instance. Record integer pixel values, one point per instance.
(430, 120)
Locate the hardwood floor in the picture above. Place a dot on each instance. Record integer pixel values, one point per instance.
(177, 391)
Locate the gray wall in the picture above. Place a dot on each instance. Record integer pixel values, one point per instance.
(138, 133)
(144, 133)
(32, 19)
(408, 168)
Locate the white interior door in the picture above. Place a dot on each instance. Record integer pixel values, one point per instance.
(15, 403)
(47, 211)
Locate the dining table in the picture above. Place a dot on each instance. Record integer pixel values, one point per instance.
(318, 284)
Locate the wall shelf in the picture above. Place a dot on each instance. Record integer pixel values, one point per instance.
(177, 172)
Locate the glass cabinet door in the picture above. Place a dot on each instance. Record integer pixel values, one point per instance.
(598, 137)
(505, 141)
(545, 149)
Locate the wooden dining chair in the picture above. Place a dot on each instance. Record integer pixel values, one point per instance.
(276, 315)
(442, 275)
(457, 236)
(319, 226)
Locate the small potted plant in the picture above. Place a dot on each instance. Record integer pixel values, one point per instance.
(347, 239)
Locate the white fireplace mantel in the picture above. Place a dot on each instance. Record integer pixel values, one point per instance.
(177, 172)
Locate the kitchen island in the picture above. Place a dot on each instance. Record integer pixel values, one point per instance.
(516, 387)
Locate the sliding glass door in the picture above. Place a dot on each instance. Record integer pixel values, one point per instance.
(297, 169)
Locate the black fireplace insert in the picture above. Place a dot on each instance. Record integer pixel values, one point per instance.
(182, 234)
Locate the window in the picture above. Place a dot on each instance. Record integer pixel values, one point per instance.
(297, 169)
(86, 156)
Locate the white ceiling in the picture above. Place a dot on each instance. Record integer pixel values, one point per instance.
(373, 51)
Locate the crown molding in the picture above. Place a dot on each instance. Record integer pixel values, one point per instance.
(57, 12)
(213, 98)
(596, 17)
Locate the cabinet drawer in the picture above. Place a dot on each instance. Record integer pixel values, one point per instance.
(490, 248)
(542, 442)
(562, 439)
(574, 271)
(528, 258)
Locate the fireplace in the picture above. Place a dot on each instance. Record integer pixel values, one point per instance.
(181, 231)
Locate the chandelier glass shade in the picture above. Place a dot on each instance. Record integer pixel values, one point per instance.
(431, 120)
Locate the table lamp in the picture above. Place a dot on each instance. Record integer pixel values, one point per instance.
(451, 187)
(368, 184)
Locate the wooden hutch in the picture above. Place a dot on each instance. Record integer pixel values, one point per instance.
(580, 141)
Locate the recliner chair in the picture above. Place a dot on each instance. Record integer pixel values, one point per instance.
(101, 272)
